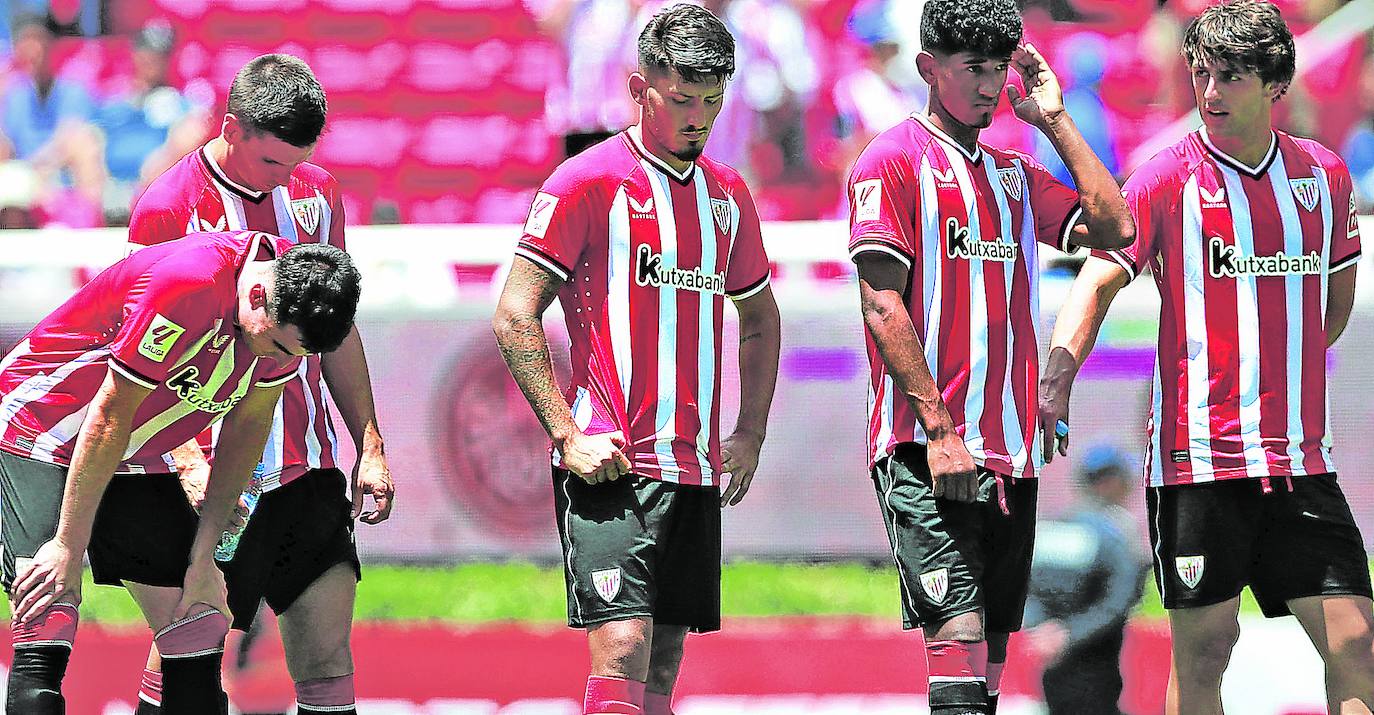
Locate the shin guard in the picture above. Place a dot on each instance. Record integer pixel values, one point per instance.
(613, 696)
(41, 650)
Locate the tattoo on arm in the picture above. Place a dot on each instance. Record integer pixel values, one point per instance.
(525, 348)
(751, 336)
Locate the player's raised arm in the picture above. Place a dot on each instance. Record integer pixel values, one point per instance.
(55, 572)
(1106, 222)
(346, 374)
(760, 341)
(882, 281)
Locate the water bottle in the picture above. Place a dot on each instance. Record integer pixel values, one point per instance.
(229, 541)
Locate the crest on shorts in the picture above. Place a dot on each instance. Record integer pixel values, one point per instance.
(720, 209)
(1011, 181)
(1305, 190)
(607, 582)
(1190, 569)
(307, 212)
(936, 584)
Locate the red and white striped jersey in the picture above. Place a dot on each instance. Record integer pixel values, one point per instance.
(1241, 257)
(648, 255)
(967, 227)
(196, 195)
(165, 318)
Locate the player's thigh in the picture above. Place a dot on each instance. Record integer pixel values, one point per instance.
(30, 503)
(1310, 545)
(936, 543)
(315, 630)
(685, 524)
(1203, 538)
(1009, 541)
(1204, 635)
(609, 548)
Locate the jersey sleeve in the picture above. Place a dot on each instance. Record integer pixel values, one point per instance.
(559, 223)
(151, 226)
(1144, 199)
(157, 315)
(748, 272)
(270, 373)
(883, 200)
(1345, 220)
(336, 220)
(1055, 205)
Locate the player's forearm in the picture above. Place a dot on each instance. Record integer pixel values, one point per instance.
(760, 344)
(99, 447)
(900, 349)
(1079, 323)
(242, 438)
(350, 384)
(525, 348)
(1105, 213)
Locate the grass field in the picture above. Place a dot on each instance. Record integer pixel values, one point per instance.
(485, 593)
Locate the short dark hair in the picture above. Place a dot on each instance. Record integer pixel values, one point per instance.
(1248, 35)
(689, 40)
(279, 95)
(991, 28)
(316, 289)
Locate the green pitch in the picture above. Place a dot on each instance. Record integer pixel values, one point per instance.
(484, 593)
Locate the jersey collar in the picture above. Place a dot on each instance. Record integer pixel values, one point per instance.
(973, 157)
(1253, 172)
(635, 133)
(223, 179)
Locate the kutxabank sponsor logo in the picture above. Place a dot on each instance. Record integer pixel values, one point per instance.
(650, 271)
(959, 243)
(1226, 261)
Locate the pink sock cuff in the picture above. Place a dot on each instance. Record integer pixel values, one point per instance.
(56, 625)
(657, 703)
(193, 636)
(336, 692)
(613, 696)
(957, 661)
(150, 687)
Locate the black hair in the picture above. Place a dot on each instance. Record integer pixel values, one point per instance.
(279, 95)
(316, 289)
(690, 41)
(991, 28)
(1248, 35)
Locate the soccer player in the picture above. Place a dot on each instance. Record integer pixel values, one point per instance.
(1251, 236)
(944, 232)
(297, 551)
(145, 356)
(641, 238)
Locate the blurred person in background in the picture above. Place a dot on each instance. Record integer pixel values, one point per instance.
(18, 183)
(1086, 577)
(1359, 146)
(48, 122)
(148, 124)
(872, 97)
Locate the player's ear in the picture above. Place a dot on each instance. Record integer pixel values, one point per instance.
(257, 296)
(231, 129)
(925, 66)
(1275, 90)
(639, 88)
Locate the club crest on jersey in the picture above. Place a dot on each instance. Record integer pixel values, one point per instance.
(868, 198)
(1225, 261)
(541, 214)
(638, 210)
(1306, 192)
(607, 583)
(936, 584)
(307, 213)
(1011, 181)
(959, 243)
(651, 272)
(159, 338)
(720, 210)
(1211, 200)
(1190, 569)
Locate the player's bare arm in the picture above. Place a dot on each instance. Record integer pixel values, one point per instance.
(760, 342)
(1075, 333)
(519, 328)
(1340, 300)
(1106, 221)
(882, 280)
(55, 573)
(193, 469)
(346, 374)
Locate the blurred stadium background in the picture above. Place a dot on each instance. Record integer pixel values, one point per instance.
(445, 117)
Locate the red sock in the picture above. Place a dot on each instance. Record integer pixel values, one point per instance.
(657, 703)
(957, 676)
(613, 696)
(150, 688)
(995, 678)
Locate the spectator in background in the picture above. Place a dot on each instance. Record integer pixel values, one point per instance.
(1359, 146)
(871, 98)
(149, 125)
(17, 183)
(1086, 577)
(1085, 55)
(47, 120)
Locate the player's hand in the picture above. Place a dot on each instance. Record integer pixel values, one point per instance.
(1048, 640)
(372, 476)
(596, 458)
(740, 459)
(1043, 100)
(193, 479)
(203, 587)
(53, 575)
(238, 518)
(1054, 409)
(953, 474)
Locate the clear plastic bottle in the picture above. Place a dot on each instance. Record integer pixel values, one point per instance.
(229, 541)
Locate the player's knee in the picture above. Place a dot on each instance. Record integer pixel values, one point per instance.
(1353, 654)
(620, 642)
(965, 627)
(197, 636)
(1206, 652)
